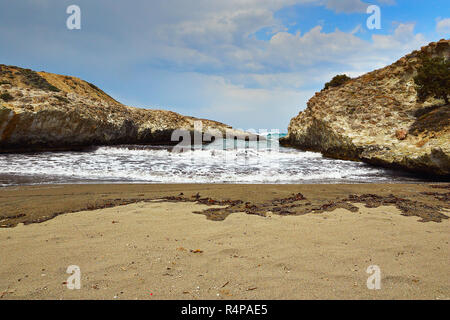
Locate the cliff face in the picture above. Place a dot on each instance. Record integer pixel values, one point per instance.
(42, 111)
(376, 118)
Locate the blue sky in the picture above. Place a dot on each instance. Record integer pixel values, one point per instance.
(248, 63)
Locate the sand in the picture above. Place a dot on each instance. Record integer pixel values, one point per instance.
(30, 204)
(162, 250)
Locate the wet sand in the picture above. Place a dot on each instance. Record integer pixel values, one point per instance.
(29, 204)
(175, 248)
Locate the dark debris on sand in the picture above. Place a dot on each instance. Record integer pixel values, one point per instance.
(428, 205)
(297, 204)
(408, 207)
(9, 221)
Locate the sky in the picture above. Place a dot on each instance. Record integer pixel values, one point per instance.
(252, 64)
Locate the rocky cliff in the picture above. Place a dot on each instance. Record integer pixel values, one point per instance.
(377, 118)
(44, 111)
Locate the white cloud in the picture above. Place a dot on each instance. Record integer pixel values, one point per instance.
(443, 27)
(388, 2)
(357, 29)
(292, 68)
(347, 6)
(211, 36)
(270, 108)
(220, 70)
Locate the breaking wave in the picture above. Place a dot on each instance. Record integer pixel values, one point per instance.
(257, 163)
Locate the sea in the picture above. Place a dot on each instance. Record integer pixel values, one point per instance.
(238, 162)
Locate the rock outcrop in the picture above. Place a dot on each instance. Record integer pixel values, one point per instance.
(43, 111)
(377, 118)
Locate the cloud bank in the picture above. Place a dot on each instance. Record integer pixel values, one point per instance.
(205, 52)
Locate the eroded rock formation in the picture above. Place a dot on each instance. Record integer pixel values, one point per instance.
(378, 119)
(44, 111)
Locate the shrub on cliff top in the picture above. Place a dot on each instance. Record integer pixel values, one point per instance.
(337, 81)
(93, 86)
(33, 79)
(433, 79)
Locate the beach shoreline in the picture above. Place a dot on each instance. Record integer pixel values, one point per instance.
(30, 204)
(171, 249)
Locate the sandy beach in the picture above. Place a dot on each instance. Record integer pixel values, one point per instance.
(164, 247)
(197, 152)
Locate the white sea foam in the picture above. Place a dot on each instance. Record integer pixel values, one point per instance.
(140, 164)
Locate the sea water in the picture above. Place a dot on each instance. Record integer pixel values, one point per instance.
(219, 162)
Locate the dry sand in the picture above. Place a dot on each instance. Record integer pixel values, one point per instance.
(143, 251)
